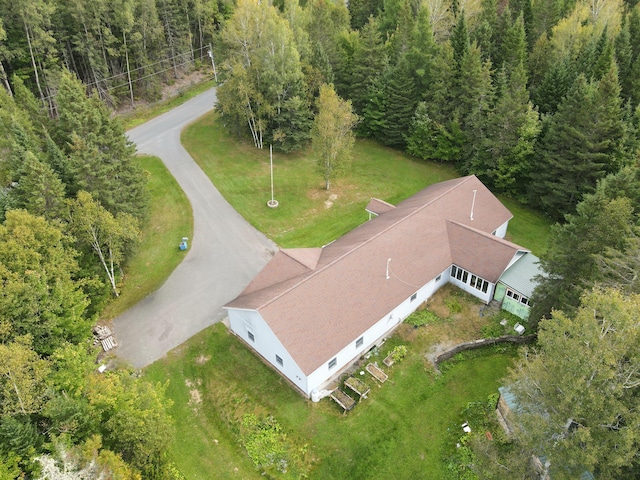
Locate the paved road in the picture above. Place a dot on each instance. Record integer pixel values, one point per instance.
(224, 254)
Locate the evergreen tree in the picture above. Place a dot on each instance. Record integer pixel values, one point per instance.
(562, 412)
(460, 40)
(555, 85)
(505, 26)
(583, 142)
(374, 119)
(421, 53)
(474, 96)
(430, 140)
(327, 26)
(513, 127)
(604, 59)
(570, 262)
(39, 190)
(399, 41)
(524, 8)
(292, 126)
(486, 29)
(362, 10)
(369, 61)
(19, 439)
(514, 45)
(437, 115)
(624, 56)
(400, 97)
(101, 158)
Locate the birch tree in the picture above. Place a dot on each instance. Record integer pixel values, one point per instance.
(332, 134)
(265, 77)
(108, 236)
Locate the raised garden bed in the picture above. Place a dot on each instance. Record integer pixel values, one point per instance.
(377, 373)
(342, 399)
(358, 386)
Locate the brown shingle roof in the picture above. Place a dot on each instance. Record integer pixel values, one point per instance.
(378, 206)
(315, 312)
(479, 252)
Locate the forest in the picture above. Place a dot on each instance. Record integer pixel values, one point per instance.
(538, 98)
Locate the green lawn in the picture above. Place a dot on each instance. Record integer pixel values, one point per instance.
(399, 431)
(157, 255)
(308, 215)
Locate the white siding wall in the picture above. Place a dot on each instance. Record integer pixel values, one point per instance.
(241, 322)
(344, 358)
(502, 230)
(484, 296)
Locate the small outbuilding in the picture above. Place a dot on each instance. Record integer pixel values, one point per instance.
(516, 285)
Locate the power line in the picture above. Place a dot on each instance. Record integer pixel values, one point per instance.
(144, 66)
(113, 87)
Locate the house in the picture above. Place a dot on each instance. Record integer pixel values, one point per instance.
(312, 312)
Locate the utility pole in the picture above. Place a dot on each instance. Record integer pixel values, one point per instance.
(213, 64)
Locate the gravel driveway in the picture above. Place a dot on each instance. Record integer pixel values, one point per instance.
(224, 254)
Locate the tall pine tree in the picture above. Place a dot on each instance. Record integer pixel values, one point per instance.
(101, 158)
(581, 143)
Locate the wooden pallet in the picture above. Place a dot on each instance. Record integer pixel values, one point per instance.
(108, 343)
(377, 373)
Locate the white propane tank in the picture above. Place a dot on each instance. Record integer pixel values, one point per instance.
(315, 396)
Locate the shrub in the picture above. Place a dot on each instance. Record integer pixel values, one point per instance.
(398, 352)
(422, 317)
(264, 442)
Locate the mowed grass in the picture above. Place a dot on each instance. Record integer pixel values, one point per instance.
(399, 431)
(157, 255)
(308, 215)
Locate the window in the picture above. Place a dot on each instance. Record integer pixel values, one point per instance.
(251, 337)
(279, 360)
(438, 278)
(524, 301)
(359, 342)
(454, 270)
(414, 296)
(514, 295)
(333, 362)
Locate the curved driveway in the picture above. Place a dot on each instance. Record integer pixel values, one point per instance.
(224, 254)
